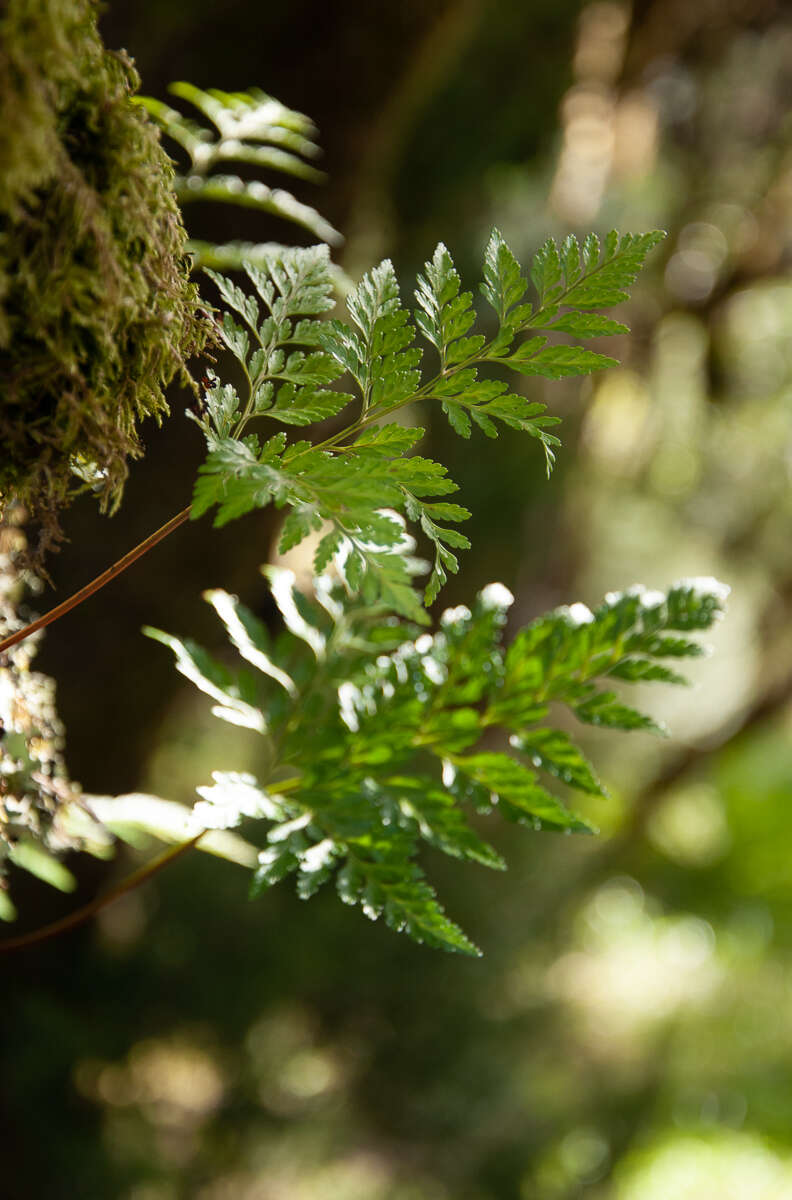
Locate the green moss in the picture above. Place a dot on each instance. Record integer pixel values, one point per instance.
(97, 313)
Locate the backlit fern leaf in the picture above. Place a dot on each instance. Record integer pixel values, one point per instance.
(397, 756)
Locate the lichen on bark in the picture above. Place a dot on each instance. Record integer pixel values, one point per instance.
(97, 311)
(35, 788)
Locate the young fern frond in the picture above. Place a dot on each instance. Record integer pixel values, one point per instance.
(359, 488)
(397, 756)
(247, 127)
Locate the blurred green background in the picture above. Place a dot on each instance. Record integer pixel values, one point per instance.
(628, 1035)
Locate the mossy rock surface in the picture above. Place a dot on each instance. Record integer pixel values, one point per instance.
(97, 311)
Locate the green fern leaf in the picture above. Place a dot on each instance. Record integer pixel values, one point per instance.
(385, 882)
(504, 284)
(557, 362)
(555, 752)
(351, 481)
(252, 128)
(445, 315)
(398, 722)
(212, 678)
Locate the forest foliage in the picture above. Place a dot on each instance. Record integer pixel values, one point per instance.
(379, 736)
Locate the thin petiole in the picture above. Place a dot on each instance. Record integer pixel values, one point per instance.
(98, 903)
(84, 593)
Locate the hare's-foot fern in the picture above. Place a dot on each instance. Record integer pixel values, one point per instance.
(356, 484)
(411, 733)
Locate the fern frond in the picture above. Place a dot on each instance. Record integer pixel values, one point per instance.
(396, 756)
(291, 360)
(248, 127)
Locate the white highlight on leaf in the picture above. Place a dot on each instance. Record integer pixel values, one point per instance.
(400, 654)
(169, 821)
(348, 698)
(449, 773)
(452, 615)
(282, 585)
(233, 716)
(228, 707)
(649, 597)
(433, 670)
(319, 856)
(578, 614)
(281, 832)
(496, 595)
(706, 585)
(232, 796)
(323, 587)
(424, 643)
(225, 607)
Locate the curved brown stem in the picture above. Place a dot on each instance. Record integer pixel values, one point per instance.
(117, 568)
(98, 903)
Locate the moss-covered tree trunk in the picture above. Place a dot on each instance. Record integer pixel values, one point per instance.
(97, 312)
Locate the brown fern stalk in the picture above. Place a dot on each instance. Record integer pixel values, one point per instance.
(98, 903)
(117, 568)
